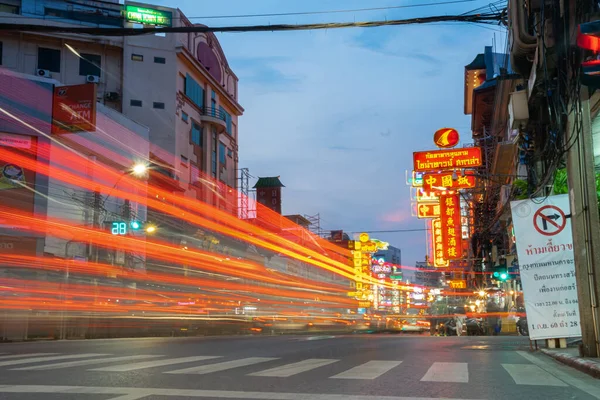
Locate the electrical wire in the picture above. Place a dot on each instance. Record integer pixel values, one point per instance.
(284, 14)
(489, 18)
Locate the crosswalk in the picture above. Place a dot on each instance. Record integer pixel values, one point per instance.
(271, 367)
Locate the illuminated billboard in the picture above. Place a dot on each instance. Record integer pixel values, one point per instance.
(451, 226)
(448, 181)
(438, 244)
(467, 157)
(446, 138)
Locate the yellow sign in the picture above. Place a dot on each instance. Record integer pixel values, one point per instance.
(364, 237)
(458, 284)
(353, 294)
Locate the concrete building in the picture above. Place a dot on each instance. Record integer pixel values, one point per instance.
(179, 85)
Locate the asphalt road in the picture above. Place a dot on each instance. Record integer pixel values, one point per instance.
(354, 367)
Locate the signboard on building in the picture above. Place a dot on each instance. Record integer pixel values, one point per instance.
(451, 226)
(448, 181)
(428, 210)
(438, 244)
(446, 138)
(74, 109)
(547, 266)
(467, 157)
(148, 16)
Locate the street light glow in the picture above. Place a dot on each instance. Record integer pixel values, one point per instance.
(151, 229)
(139, 169)
(481, 293)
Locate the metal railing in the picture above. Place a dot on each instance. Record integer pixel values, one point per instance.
(214, 112)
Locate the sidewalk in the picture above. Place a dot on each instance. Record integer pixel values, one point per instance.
(570, 357)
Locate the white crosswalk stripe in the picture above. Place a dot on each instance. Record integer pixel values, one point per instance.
(447, 372)
(50, 358)
(288, 370)
(25, 355)
(210, 368)
(528, 374)
(152, 364)
(368, 370)
(80, 363)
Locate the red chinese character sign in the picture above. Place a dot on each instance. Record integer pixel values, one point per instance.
(428, 210)
(438, 244)
(451, 226)
(447, 181)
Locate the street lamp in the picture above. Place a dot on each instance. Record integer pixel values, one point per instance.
(150, 229)
(139, 169)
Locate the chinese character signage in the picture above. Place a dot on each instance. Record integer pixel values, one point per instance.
(445, 181)
(424, 196)
(428, 210)
(451, 226)
(467, 157)
(438, 244)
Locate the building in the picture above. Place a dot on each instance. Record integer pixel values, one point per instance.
(179, 85)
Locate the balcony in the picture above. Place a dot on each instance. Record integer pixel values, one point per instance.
(214, 116)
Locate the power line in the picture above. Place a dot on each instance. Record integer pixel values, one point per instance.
(283, 14)
(490, 18)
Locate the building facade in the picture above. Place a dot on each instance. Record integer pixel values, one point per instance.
(180, 85)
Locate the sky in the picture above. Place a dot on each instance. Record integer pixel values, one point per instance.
(337, 113)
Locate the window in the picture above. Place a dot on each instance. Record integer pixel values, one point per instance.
(214, 153)
(137, 57)
(229, 153)
(184, 161)
(135, 103)
(0, 53)
(226, 117)
(9, 9)
(160, 60)
(49, 59)
(90, 64)
(196, 134)
(158, 105)
(213, 102)
(184, 117)
(222, 152)
(194, 91)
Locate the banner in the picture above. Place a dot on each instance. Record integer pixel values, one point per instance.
(546, 262)
(74, 109)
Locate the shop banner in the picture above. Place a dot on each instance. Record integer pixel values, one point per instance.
(546, 260)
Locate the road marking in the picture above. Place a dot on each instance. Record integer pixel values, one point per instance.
(129, 393)
(287, 370)
(447, 372)
(207, 369)
(310, 338)
(566, 374)
(25, 355)
(529, 374)
(152, 364)
(83, 362)
(368, 370)
(43, 359)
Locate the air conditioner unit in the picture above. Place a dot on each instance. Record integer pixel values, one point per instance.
(92, 79)
(43, 72)
(518, 108)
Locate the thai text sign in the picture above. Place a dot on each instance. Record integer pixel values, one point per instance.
(458, 284)
(438, 244)
(451, 227)
(547, 266)
(428, 211)
(74, 108)
(467, 157)
(445, 181)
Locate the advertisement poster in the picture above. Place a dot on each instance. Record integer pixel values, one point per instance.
(546, 261)
(74, 109)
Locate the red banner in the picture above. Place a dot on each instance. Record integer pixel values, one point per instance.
(466, 157)
(74, 109)
(428, 210)
(451, 226)
(438, 244)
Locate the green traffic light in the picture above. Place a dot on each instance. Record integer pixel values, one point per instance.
(135, 225)
(496, 274)
(503, 276)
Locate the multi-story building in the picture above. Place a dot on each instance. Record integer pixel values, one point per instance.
(179, 85)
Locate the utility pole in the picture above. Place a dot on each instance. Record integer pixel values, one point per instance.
(95, 223)
(126, 213)
(584, 222)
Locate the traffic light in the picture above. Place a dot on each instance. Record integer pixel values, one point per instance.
(122, 228)
(135, 225)
(500, 273)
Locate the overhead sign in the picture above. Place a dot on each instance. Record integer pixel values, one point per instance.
(417, 179)
(148, 16)
(16, 141)
(467, 157)
(424, 196)
(74, 109)
(458, 284)
(446, 138)
(448, 181)
(547, 266)
(428, 211)
(451, 226)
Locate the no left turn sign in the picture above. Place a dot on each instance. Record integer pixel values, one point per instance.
(549, 220)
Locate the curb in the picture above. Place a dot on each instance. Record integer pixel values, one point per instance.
(585, 365)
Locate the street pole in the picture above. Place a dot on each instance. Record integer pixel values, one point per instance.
(584, 218)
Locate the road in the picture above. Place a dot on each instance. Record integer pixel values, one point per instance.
(353, 367)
